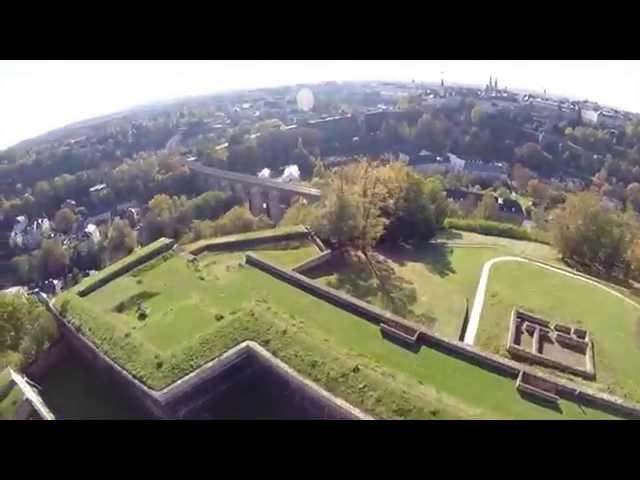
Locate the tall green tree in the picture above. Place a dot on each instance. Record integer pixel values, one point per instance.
(593, 236)
(64, 220)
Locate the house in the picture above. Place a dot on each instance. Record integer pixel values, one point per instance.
(27, 236)
(291, 174)
(98, 219)
(92, 232)
(264, 173)
(460, 195)
(495, 171)
(97, 188)
(51, 287)
(510, 207)
(70, 204)
(602, 118)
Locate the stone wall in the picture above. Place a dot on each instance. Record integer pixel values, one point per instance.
(175, 400)
(313, 262)
(46, 359)
(248, 243)
(525, 321)
(134, 390)
(485, 360)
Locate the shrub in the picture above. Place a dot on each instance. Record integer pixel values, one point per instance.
(218, 316)
(498, 229)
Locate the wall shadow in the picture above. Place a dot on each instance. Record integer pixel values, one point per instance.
(555, 406)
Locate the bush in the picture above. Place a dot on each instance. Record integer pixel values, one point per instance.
(498, 229)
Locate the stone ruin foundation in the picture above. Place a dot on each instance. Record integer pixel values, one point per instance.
(558, 346)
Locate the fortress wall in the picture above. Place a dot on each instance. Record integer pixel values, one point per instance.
(485, 360)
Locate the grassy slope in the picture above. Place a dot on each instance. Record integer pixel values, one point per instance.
(120, 263)
(288, 257)
(614, 324)
(341, 352)
(260, 234)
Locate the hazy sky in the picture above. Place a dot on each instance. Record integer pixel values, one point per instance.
(38, 96)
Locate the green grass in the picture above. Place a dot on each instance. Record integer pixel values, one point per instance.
(258, 235)
(287, 254)
(9, 405)
(111, 269)
(512, 246)
(341, 352)
(614, 324)
(444, 275)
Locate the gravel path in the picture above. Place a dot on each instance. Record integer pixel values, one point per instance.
(478, 302)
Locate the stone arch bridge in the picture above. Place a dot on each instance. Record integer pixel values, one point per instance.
(265, 196)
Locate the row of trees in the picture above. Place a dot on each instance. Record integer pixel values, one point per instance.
(173, 216)
(274, 150)
(139, 178)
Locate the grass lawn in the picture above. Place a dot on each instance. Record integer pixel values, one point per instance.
(257, 235)
(287, 254)
(536, 250)
(444, 275)
(198, 310)
(613, 323)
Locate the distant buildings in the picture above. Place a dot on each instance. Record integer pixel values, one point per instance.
(428, 163)
(29, 236)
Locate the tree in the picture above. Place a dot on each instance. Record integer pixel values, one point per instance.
(521, 176)
(122, 240)
(64, 220)
(539, 190)
(594, 237)
(244, 159)
(533, 157)
(633, 196)
(421, 210)
(478, 115)
(209, 205)
(303, 160)
(25, 328)
(487, 209)
(167, 217)
(88, 255)
(300, 213)
(53, 259)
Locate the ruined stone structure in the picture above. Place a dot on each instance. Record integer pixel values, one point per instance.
(536, 340)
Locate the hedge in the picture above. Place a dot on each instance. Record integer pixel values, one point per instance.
(123, 266)
(242, 240)
(497, 229)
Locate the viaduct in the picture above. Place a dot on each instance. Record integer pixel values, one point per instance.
(265, 196)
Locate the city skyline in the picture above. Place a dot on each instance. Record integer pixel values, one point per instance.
(40, 96)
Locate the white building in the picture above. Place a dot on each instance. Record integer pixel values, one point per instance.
(291, 174)
(92, 232)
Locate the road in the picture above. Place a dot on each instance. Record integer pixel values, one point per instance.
(481, 290)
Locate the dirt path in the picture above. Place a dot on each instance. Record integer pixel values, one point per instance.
(481, 290)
